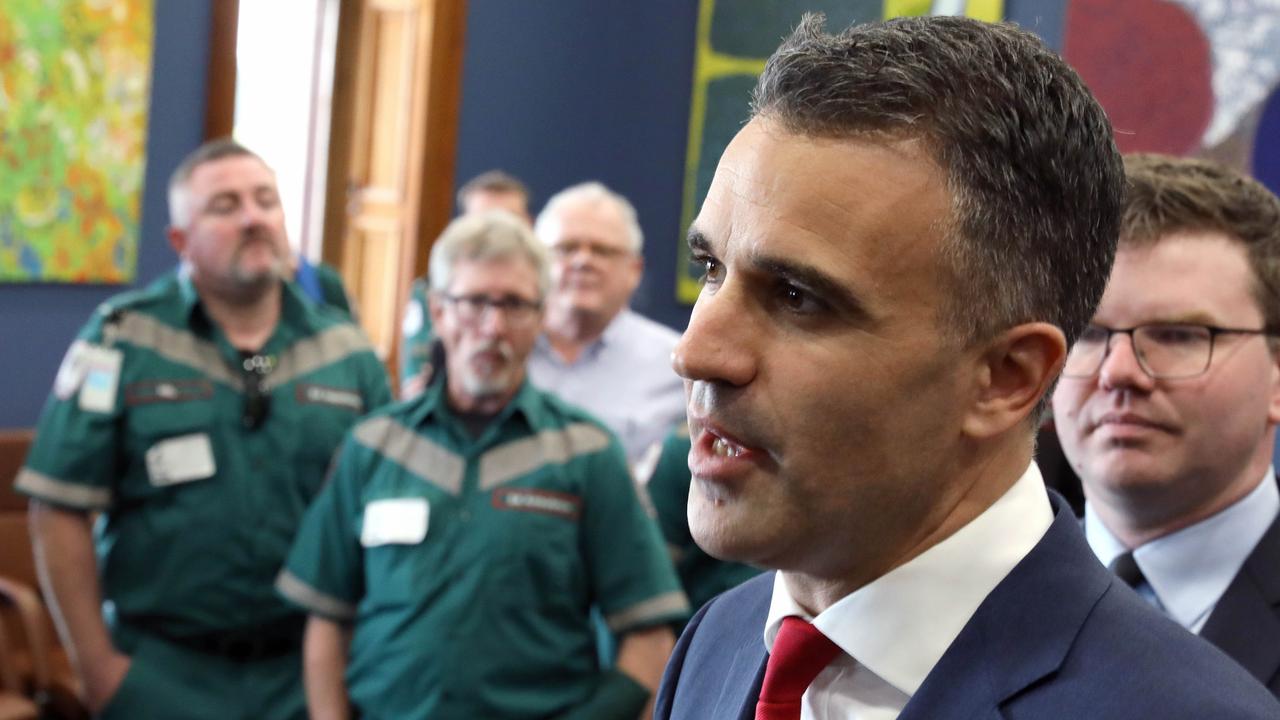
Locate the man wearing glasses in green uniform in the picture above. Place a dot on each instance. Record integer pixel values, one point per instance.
(451, 562)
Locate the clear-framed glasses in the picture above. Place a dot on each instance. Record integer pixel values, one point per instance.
(604, 251)
(1165, 351)
(517, 311)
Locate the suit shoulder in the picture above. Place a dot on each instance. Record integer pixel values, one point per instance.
(1143, 665)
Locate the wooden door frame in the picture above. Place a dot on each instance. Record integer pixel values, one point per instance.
(442, 99)
(220, 78)
(436, 139)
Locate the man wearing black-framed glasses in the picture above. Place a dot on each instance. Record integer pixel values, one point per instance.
(1168, 405)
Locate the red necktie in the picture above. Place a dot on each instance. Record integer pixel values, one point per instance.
(800, 652)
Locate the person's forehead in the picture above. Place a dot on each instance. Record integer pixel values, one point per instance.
(231, 171)
(595, 220)
(506, 274)
(1203, 276)
(859, 204)
(488, 198)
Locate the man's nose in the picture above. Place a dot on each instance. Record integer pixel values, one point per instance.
(1121, 367)
(719, 343)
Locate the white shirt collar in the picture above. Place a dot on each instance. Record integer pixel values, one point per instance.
(1190, 569)
(900, 624)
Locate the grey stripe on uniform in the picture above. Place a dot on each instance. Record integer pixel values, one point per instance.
(417, 454)
(290, 586)
(42, 486)
(317, 351)
(521, 457)
(176, 345)
(645, 613)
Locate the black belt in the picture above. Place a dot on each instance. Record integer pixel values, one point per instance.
(242, 645)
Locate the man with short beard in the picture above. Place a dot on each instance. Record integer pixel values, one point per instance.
(198, 417)
(450, 564)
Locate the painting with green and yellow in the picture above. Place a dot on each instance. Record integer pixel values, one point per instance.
(75, 78)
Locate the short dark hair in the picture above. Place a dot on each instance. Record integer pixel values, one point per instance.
(1034, 174)
(215, 149)
(1169, 195)
(493, 181)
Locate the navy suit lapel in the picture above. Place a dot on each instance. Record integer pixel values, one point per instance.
(1245, 623)
(1021, 633)
(747, 672)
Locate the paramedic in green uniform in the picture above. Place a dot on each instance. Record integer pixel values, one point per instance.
(451, 562)
(419, 351)
(198, 416)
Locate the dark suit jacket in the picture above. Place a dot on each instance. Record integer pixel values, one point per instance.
(1246, 621)
(1058, 639)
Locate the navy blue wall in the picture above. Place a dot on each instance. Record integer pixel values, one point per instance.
(561, 92)
(37, 322)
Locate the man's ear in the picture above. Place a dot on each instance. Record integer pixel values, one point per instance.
(637, 270)
(177, 239)
(1273, 410)
(435, 306)
(1015, 371)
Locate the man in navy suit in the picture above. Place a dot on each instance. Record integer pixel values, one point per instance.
(1172, 427)
(899, 247)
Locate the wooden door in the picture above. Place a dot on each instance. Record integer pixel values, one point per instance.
(392, 150)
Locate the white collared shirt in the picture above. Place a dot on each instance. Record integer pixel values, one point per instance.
(1188, 571)
(625, 379)
(895, 629)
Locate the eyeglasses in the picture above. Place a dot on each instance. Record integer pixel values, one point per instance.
(516, 310)
(569, 248)
(1165, 351)
(257, 399)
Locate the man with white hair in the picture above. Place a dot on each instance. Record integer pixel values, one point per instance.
(595, 351)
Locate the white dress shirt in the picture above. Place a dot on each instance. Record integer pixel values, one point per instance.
(895, 629)
(625, 379)
(1188, 571)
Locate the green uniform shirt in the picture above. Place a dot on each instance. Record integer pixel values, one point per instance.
(415, 348)
(469, 566)
(702, 576)
(146, 424)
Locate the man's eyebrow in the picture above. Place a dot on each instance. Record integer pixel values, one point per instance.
(810, 278)
(814, 280)
(697, 241)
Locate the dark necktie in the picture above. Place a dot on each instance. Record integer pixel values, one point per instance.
(800, 652)
(1127, 570)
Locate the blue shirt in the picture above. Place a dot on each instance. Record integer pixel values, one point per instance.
(624, 379)
(1188, 571)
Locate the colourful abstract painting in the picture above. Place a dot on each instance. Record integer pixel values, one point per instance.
(75, 78)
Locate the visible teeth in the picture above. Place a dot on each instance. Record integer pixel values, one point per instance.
(724, 449)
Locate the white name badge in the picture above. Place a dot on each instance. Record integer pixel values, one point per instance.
(402, 521)
(181, 459)
(101, 377)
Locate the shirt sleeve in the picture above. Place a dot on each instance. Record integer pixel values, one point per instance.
(415, 326)
(324, 573)
(633, 580)
(377, 387)
(74, 457)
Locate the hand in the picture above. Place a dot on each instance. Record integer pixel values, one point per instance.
(103, 681)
